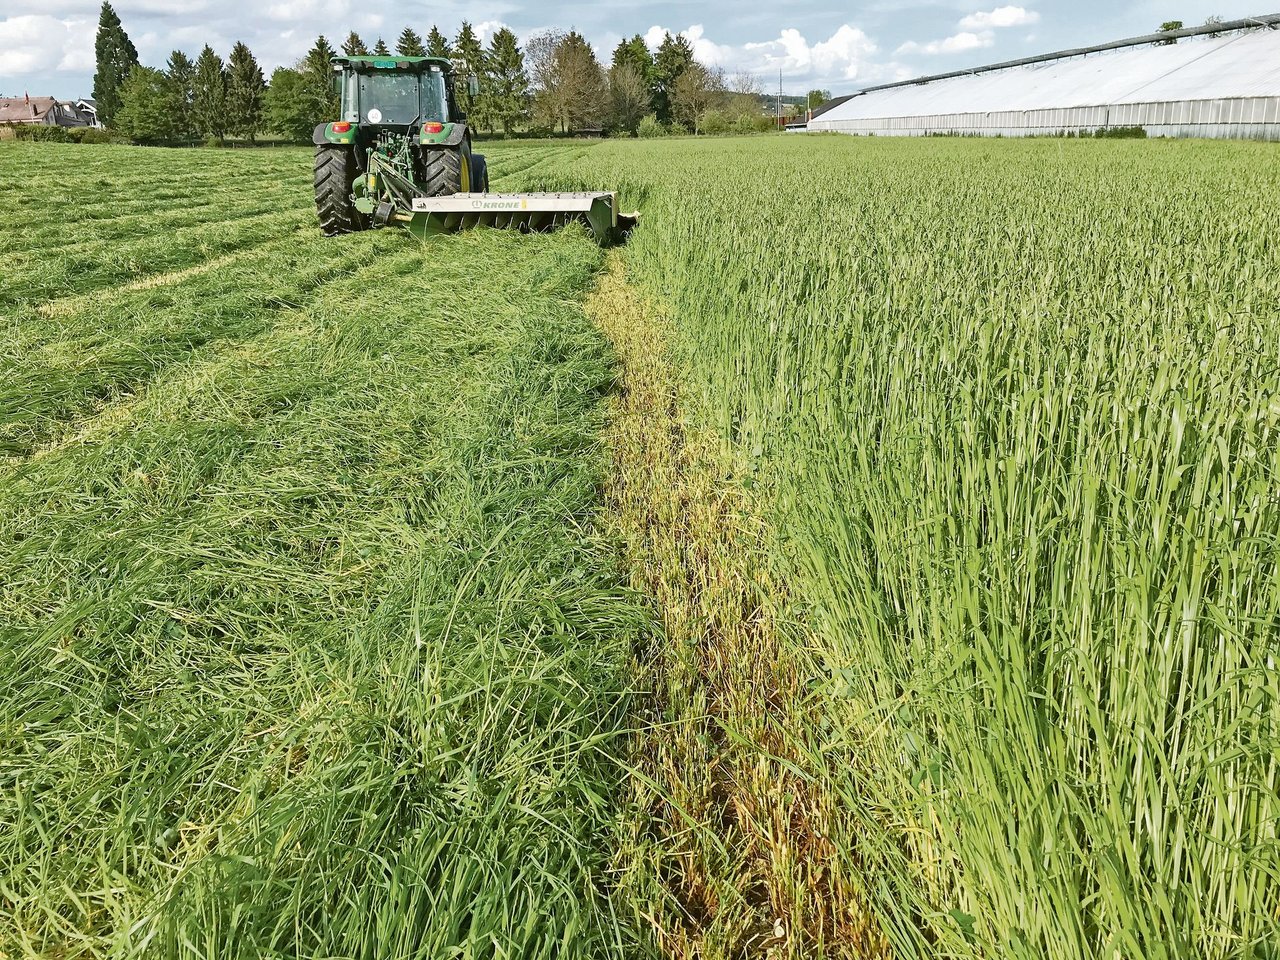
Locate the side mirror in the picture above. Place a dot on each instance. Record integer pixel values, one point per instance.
(473, 87)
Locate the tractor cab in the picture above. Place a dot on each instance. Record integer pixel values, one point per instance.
(395, 91)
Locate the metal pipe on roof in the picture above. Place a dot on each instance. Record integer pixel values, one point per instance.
(1270, 21)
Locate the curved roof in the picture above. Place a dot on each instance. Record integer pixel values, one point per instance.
(1206, 68)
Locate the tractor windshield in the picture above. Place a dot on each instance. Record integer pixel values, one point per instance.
(400, 97)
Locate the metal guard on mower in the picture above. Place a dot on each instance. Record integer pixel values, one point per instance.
(526, 212)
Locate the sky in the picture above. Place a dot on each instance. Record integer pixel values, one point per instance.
(46, 46)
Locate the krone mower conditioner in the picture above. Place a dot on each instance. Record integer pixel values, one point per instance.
(401, 156)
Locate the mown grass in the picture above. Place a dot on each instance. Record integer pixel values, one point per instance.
(1010, 410)
(309, 644)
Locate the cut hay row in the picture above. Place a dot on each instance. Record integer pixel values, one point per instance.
(129, 192)
(81, 271)
(309, 646)
(55, 369)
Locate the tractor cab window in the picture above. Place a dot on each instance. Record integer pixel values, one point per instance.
(401, 98)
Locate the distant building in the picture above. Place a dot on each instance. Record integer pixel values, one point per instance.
(48, 112)
(1220, 80)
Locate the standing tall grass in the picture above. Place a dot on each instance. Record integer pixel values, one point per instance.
(1014, 412)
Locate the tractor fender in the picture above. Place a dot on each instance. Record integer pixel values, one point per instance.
(451, 136)
(324, 134)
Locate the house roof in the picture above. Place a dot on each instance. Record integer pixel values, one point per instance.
(19, 110)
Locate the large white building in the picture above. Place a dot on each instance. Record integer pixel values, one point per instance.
(1219, 81)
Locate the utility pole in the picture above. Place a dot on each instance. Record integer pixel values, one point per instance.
(779, 96)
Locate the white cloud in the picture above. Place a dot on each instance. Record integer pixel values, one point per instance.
(844, 55)
(999, 17)
(958, 43)
(48, 44)
(977, 30)
(290, 11)
(38, 42)
(485, 29)
(712, 54)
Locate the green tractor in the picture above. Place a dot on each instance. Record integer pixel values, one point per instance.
(401, 156)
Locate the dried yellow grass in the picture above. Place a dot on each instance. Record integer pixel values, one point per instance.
(730, 843)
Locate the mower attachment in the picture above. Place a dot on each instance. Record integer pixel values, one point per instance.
(526, 212)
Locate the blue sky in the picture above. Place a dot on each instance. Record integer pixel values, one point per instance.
(46, 46)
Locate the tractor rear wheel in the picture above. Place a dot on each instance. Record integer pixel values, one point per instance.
(335, 171)
(441, 172)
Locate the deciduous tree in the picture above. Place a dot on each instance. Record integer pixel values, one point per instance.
(694, 92)
(569, 81)
(144, 115)
(586, 94)
(628, 97)
(544, 74)
(289, 109)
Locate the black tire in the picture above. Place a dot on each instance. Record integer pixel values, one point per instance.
(479, 174)
(441, 172)
(335, 170)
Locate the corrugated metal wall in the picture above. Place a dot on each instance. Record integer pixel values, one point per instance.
(1225, 86)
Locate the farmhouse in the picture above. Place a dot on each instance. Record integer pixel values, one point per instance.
(1219, 80)
(47, 111)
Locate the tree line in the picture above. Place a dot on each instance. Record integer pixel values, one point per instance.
(554, 83)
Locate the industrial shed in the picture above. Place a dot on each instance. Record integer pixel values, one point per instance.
(1219, 81)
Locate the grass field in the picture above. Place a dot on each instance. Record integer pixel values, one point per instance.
(882, 560)
(1011, 411)
(309, 645)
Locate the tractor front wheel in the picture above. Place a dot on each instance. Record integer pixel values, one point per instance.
(335, 171)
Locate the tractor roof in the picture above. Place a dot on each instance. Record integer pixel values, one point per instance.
(395, 63)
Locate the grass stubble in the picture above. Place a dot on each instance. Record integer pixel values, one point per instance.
(728, 846)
